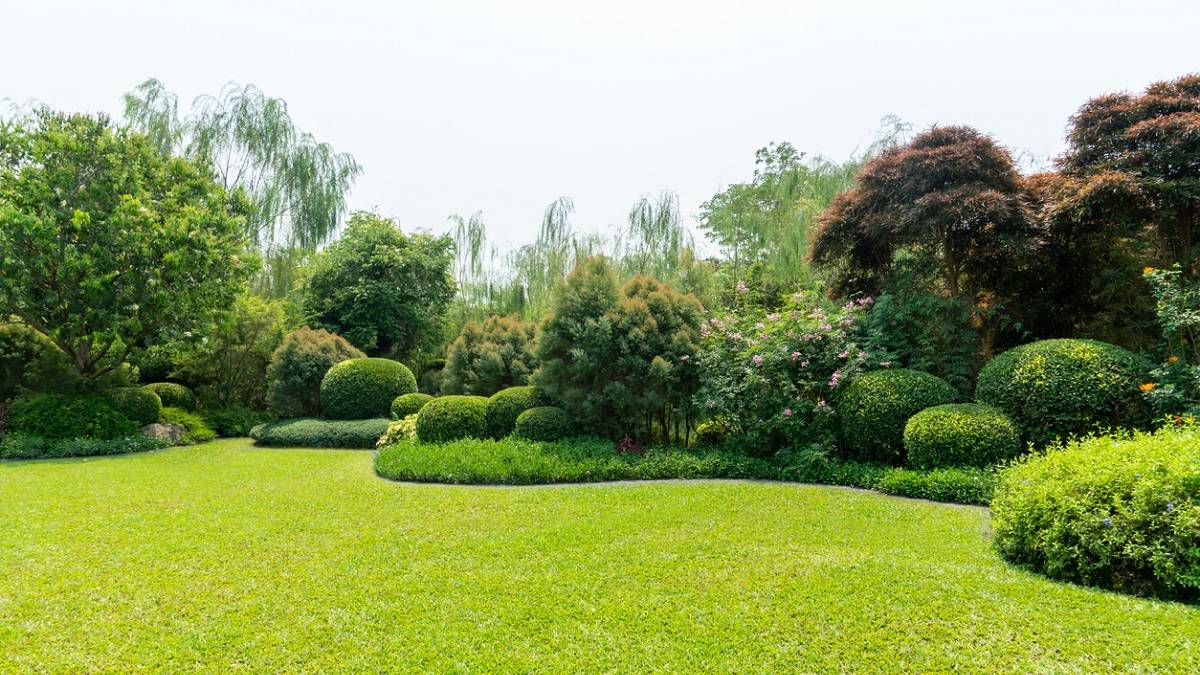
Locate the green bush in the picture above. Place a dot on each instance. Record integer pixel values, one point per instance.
(31, 361)
(1120, 512)
(173, 395)
(711, 433)
(960, 434)
(486, 358)
(315, 433)
(364, 388)
(25, 446)
(874, 408)
(57, 416)
(962, 485)
(234, 421)
(404, 429)
(137, 403)
(196, 431)
(297, 368)
(546, 423)
(450, 418)
(505, 406)
(1061, 388)
(409, 404)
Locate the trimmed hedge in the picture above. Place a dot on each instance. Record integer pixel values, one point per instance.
(1062, 388)
(316, 433)
(960, 434)
(409, 404)
(450, 418)
(545, 423)
(25, 446)
(873, 409)
(58, 416)
(173, 395)
(137, 403)
(1117, 512)
(505, 406)
(364, 388)
(195, 429)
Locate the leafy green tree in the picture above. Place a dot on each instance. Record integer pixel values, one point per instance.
(384, 291)
(228, 364)
(104, 241)
(491, 356)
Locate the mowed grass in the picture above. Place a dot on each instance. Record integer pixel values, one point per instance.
(227, 557)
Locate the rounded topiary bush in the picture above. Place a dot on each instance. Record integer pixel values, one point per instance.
(409, 404)
(450, 418)
(874, 408)
(962, 434)
(1060, 388)
(172, 395)
(505, 406)
(69, 416)
(545, 423)
(139, 404)
(360, 389)
(1116, 512)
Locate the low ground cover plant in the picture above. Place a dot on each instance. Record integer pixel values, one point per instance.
(25, 446)
(318, 433)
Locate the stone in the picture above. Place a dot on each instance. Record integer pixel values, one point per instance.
(171, 433)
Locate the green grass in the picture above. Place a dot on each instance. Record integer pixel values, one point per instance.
(226, 557)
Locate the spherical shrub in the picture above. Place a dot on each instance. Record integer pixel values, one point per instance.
(1116, 512)
(297, 368)
(173, 395)
(873, 410)
(361, 389)
(711, 433)
(409, 404)
(546, 423)
(450, 418)
(963, 434)
(1060, 388)
(505, 406)
(139, 404)
(69, 416)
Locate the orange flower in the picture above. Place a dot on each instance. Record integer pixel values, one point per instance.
(1147, 386)
(1148, 270)
(1172, 359)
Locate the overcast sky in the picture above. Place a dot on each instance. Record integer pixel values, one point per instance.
(501, 107)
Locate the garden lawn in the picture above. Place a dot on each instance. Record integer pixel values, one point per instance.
(227, 557)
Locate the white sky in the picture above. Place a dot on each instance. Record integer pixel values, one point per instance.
(500, 107)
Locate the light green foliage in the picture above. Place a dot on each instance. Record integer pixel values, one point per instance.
(64, 416)
(384, 291)
(228, 361)
(106, 242)
(313, 433)
(1060, 388)
(403, 429)
(299, 365)
(963, 434)
(544, 423)
(712, 433)
(505, 406)
(488, 357)
(873, 409)
(409, 404)
(139, 404)
(364, 388)
(1176, 380)
(1117, 512)
(196, 429)
(452, 417)
(173, 395)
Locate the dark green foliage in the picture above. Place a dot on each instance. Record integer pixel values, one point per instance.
(297, 368)
(486, 358)
(430, 379)
(385, 291)
(173, 395)
(196, 430)
(30, 361)
(409, 404)
(139, 404)
(313, 433)
(873, 409)
(56, 416)
(962, 434)
(233, 421)
(1117, 512)
(364, 388)
(505, 406)
(1060, 388)
(26, 446)
(545, 423)
(450, 418)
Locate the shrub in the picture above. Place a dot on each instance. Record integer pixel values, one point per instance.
(505, 406)
(173, 395)
(297, 368)
(711, 433)
(452, 417)
(57, 416)
(403, 429)
(874, 408)
(546, 423)
(25, 446)
(195, 430)
(486, 358)
(409, 404)
(314, 433)
(234, 420)
(1060, 388)
(964, 434)
(137, 403)
(1121, 512)
(364, 388)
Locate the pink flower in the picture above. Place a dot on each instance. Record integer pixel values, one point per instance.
(758, 359)
(685, 358)
(773, 317)
(845, 354)
(795, 355)
(742, 288)
(804, 363)
(837, 377)
(787, 412)
(759, 325)
(825, 326)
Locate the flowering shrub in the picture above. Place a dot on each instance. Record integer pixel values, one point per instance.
(1173, 388)
(772, 374)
